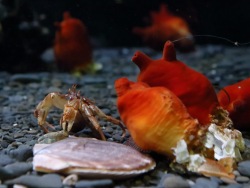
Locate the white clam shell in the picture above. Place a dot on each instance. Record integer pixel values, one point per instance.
(91, 158)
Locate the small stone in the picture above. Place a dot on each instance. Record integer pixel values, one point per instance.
(25, 78)
(48, 180)
(22, 153)
(6, 127)
(228, 181)
(33, 131)
(236, 173)
(14, 170)
(244, 168)
(8, 138)
(5, 160)
(117, 137)
(242, 179)
(170, 180)
(4, 144)
(108, 130)
(106, 111)
(246, 185)
(18, 135)
(94, 183)
(205, 183)
(235, 185)
(216, 179)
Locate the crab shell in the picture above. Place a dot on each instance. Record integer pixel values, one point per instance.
(236, 100)
(90, 158)
(154, 116)
(166, 26)
(72, 45)
(192, 87)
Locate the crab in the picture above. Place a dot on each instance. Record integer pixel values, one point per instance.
(78, 112)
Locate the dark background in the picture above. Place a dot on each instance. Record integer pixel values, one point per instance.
(111, 21)
(27, 26)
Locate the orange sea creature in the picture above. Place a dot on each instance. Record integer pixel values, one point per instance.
(166, 26)
(154, 116)
(192, 87)
(236, 100)
(72, 48)
(158, 121)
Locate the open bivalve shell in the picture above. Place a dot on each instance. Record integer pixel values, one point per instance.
(91, 158)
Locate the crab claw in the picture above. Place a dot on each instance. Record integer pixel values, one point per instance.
(41, 116)
(53, 99)
(68, 118)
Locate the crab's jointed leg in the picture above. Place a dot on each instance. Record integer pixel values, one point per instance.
(102, 115)
(91, 116)
(51, 100)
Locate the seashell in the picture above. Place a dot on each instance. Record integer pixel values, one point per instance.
(90, 158)
(193, 88)
(215, 168)
(72, 48)
(166, 26)
(154, 116)
(224, 142)
(236, 100)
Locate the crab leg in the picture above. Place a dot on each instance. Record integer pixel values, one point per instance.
(102, 115)
(51, 100)
(87, 111)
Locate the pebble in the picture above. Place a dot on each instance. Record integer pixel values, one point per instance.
(108, 130)
(171, 180)
(18, 135)
(216, 179)
(244, 168)
(117, 137)
(5, 159)
(242, 179)
(22, 153)
(3, 144)
(232, 186)
(205, 183)
(228, 181)
(25, 78)
(105, 183)
(47, 180)
(14, 170)
(236, 173)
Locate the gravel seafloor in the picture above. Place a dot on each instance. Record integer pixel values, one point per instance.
(20, 93)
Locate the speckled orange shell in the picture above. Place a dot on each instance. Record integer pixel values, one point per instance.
(154, 116)
(192, 87)
(236, 100)
(72, 46)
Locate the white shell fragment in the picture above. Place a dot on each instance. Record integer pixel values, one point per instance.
(181, 152)
(182, 156)
(90, 158)
(225, 142)
(226, 145)
(196, 161)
